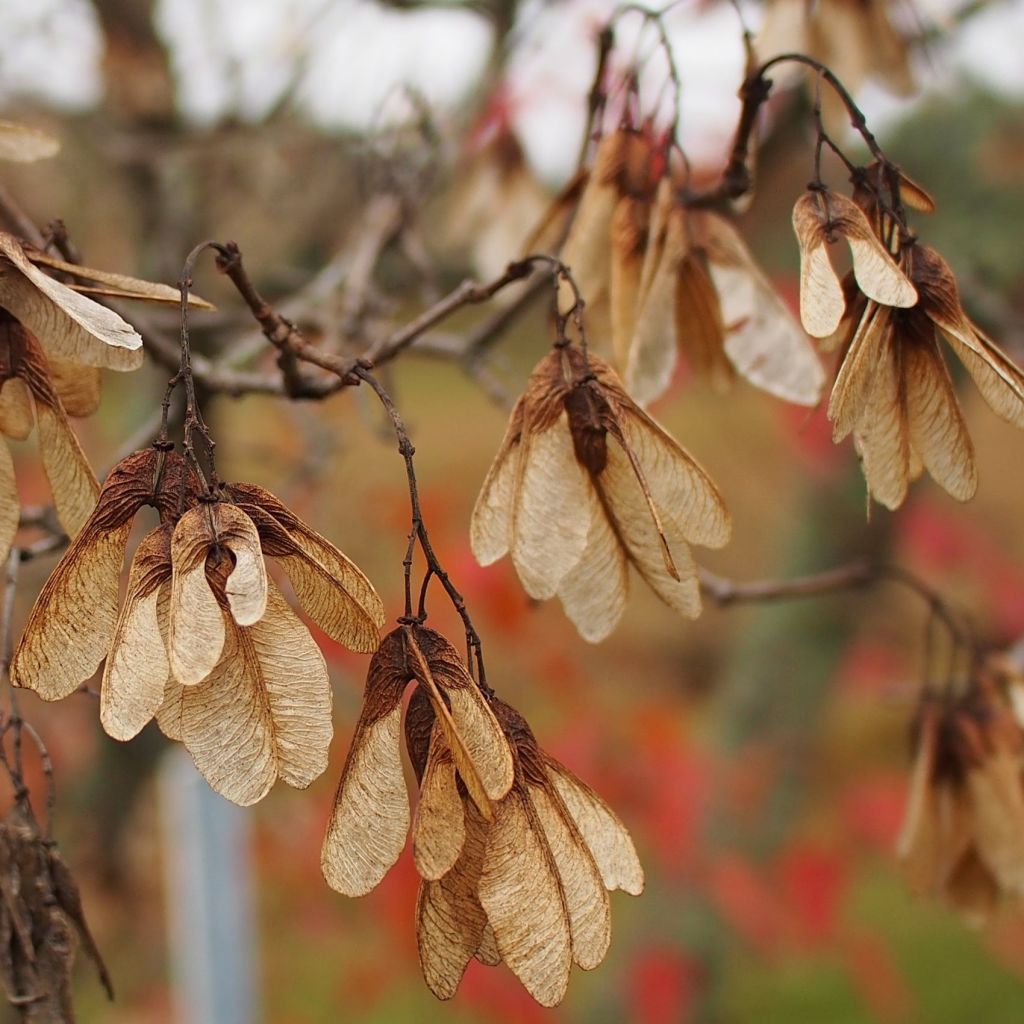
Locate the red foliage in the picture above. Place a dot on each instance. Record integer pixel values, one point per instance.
(662, 986)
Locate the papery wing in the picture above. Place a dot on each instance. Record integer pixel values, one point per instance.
(586, 899)
(490, 529)
(550, 515)
(521, 894)
(450, 922)
(937, 429)
(605, 835)
(593, 593)
(68, 325)
(438, 828)
(137, 669)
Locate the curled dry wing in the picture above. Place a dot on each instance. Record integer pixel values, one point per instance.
(329, 586)
(472, 733)
(68, 325)
(203, 538)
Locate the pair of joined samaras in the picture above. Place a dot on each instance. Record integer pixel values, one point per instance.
(204, 642)
(515, 853)
(963, 832)
(586, 484)
(893, 390)
(657, 277)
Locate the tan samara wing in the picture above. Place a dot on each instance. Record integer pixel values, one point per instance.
(882, 436)
(586, 900)
(77, 387)
(819, 217)
(450, 922)
(72, 483)
(370, 819)
(438, 827)
(657, 547)
(605, 835)
(680, 487)
(490, 528)
(1000, 381)
(586, 247)
(197, 627)
(297, 689)
(68, 325)
(822, 303)
(473, 750)
(16, 416)
(119, 286)
(937, 429)
(699, 326)
(137, 669)
(347, 576)
(10, 504)
(550, 515)
(593, 593)
(997, 377)
(73, 620)
(852, 389)
(763, 341)
(997, 800)
(654, 350)
(478, 731)
(265, 710)
(522, 896)
(340, 615)
(628, 242)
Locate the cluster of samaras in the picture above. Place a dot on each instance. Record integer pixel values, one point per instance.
(963, 833)
(517, 855)
(660, 273)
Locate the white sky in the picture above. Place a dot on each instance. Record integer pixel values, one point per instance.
(350, 60)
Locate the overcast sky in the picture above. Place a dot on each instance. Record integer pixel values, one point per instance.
(351, 58)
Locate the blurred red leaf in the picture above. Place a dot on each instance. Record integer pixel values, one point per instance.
(661, 987)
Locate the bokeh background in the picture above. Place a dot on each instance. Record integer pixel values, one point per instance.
(759, 755)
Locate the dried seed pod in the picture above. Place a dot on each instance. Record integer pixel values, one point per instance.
(586, 483)
(526, 887)
(894, 392)
(963, 832)
(73, 621)
(370, 819)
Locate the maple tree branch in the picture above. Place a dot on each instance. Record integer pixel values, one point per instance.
(855, 575)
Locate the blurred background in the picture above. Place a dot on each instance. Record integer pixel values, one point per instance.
(367, 157)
